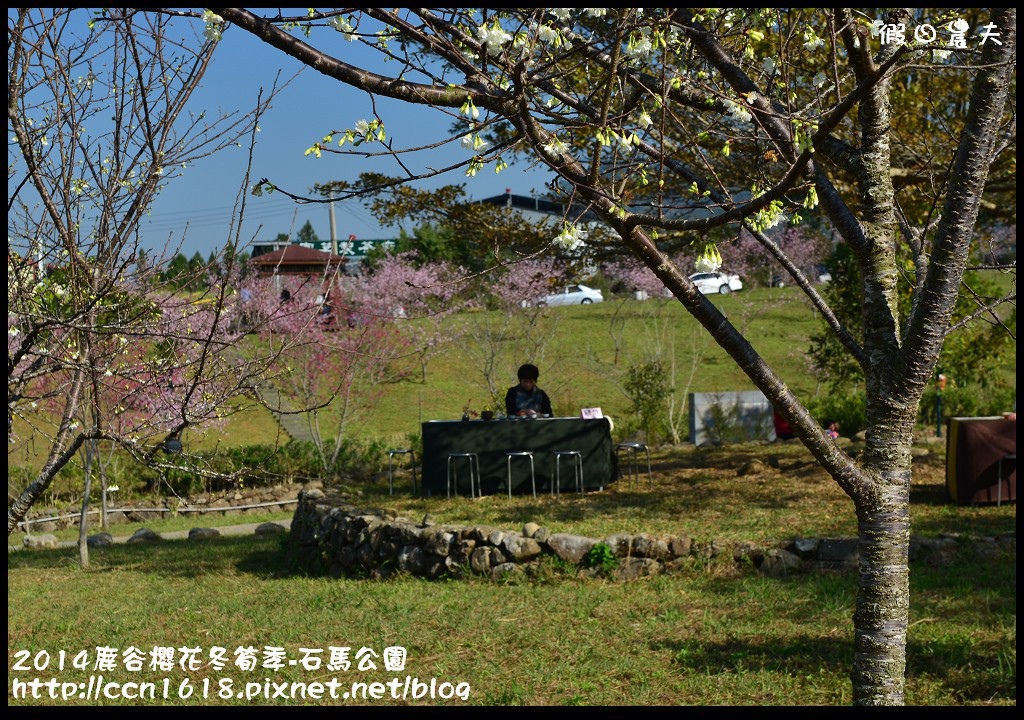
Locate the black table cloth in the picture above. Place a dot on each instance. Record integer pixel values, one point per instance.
(491, 439)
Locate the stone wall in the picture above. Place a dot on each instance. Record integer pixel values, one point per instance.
(329, 535)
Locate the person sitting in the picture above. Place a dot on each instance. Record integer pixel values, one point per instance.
(526, 399)
(832, 428)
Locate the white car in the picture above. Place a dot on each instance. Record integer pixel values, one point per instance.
(722, 283)
(570, 295)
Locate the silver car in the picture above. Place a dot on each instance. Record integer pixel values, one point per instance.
(722, 283)
(570, 295)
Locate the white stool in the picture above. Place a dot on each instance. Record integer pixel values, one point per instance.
(508, 462)
(391, 469)
(577, 470)
(632, 463)
(474, 466)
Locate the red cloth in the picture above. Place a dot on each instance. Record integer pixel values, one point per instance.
(782, 429)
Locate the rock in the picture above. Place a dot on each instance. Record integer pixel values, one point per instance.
(571, 548)
(754, 467)
(144, 535)
(520, 549)
(779, 563)
(270, 528)
(40, 542)
(198, 533)
(100, 540)
(636, 567)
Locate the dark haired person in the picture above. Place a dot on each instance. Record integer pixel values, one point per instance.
(526, 399)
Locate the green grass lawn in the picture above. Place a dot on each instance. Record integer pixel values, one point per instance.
(715, 634)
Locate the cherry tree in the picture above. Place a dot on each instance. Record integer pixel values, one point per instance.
(520, 330)
(329, 372)
(419, 298)
(99, 348)
(672, 124)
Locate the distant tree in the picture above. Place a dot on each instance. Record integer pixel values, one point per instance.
(99, 348)
(420, 297)
(307, 234)
(176, 272)
(749, 258)
(197, 272)
(328, 370)
(213, 264)
(443, 224)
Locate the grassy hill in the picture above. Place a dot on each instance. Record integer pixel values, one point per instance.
(584, 354)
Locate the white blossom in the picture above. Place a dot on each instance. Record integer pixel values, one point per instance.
(555, 147)
(474, 143)
(709, 259)
(737, 112)
(214, 25)
(571, 237)
(644, 121)
(343, 26)
(641, 49)
(547, 34)
(812, 41)
(493, 38)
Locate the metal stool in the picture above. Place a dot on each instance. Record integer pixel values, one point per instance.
(391, 469)
(508, 462)
(632, 463)
(999, 488)
(577, 470)
(473, 459)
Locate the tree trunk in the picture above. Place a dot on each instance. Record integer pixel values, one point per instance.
(883, 593)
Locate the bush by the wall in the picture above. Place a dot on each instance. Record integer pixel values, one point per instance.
(967, 401)
(849, 409)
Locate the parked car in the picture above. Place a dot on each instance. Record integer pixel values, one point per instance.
(569, 295)
(778, 281)
(716, 282)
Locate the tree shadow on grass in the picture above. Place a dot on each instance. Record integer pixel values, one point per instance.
(952, 664)
(266, 556)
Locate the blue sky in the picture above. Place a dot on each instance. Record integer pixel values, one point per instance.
(311, 106)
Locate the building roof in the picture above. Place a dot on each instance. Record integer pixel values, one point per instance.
(292, 257)
(537, 205)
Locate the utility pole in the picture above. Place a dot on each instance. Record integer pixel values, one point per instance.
(334, 232)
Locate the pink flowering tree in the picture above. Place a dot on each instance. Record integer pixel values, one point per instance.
(98, 348)
(519, 330)
(748, 257)
(329, 372)
(420, 300)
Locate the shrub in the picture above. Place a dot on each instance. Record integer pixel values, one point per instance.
(647, 386)
(601, 556)
(849, 409)
(967, 401)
